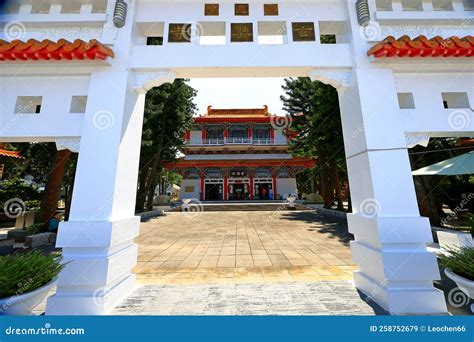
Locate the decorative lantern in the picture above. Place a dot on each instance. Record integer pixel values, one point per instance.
(363, 13)
(120, 13)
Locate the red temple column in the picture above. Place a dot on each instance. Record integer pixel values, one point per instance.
(226, 132)
(251, 187)
(250, 133)
(272, 133)
(188, 136)
(203, 196)
(274, 187)
(226, 188)
(203, 135)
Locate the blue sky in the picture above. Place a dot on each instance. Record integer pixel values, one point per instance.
(238, 93)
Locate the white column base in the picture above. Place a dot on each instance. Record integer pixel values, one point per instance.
(395, 268)
(100, 256)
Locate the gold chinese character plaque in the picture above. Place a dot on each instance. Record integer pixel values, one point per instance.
(270, 9)
(211, 9)
(303, 32)
(179, 33)
(241, 32)
(241, 9)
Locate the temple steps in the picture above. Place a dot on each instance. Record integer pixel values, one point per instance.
(246, 206)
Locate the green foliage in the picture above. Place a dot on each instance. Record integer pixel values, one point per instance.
(460, 261)
(17, 188)
(23, 273)
(34, 229)
(314, 198)
(471, 223)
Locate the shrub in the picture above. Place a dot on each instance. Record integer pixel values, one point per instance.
(460, 261)
(314, 198)
(33, 229)
(25, 272)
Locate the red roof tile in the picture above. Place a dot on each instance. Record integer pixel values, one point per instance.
(49, 50)
(424, 47)
(11, 154)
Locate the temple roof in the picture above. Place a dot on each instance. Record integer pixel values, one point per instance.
(236, 115)
(11, 154)
(48, 50)
(424, 47)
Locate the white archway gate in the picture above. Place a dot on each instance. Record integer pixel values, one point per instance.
(395, 268)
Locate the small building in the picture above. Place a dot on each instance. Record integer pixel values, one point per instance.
(238, 154)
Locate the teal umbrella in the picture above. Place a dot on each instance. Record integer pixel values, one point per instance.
(460, 165)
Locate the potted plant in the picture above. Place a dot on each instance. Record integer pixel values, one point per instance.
(459, 265)
(26, 279)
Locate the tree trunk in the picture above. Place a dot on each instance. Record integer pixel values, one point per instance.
(337, 184)
(69, 194)
(325, 184)
(141, 193)
(52, 190)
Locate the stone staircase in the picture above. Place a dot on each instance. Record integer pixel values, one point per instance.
(246, 206)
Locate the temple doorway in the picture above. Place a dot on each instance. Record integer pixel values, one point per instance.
(213, 191)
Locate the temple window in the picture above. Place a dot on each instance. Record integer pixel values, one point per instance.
(211, 33)
(272, 32)
(383, 5)
(455, 100)
(263, 172)
(28, 104)
(192, 174)
(333, 32)
(40, 7)
(214, 132)
(237, 132)
(412, 5)
(154, 40)
(283, 172)
(443, 5)
(211, 9)
(261, 132)
(241, 9)
(406, 101)
(78, 104)
(270, 9)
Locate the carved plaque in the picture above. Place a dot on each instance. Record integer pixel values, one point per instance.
(241, 9)
(303, 32)
(211, 9)
(241, 32)
(270, 9)
(179, 33)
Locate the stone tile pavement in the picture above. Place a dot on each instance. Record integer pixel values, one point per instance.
(242, 247)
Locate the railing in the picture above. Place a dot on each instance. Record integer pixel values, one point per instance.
(232, 141)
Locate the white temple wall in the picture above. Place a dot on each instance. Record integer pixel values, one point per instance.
(286, 187)
(188, 184)
(428, 113)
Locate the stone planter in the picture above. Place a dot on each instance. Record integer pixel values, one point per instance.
(454, 239)
(466, 285)
(23, 304)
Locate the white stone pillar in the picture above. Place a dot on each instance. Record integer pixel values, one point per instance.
(395, 268)
(97, 240)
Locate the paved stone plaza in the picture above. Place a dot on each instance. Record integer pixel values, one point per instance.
(244, 263)
(242, 247)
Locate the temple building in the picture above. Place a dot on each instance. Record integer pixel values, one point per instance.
(238, 154)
